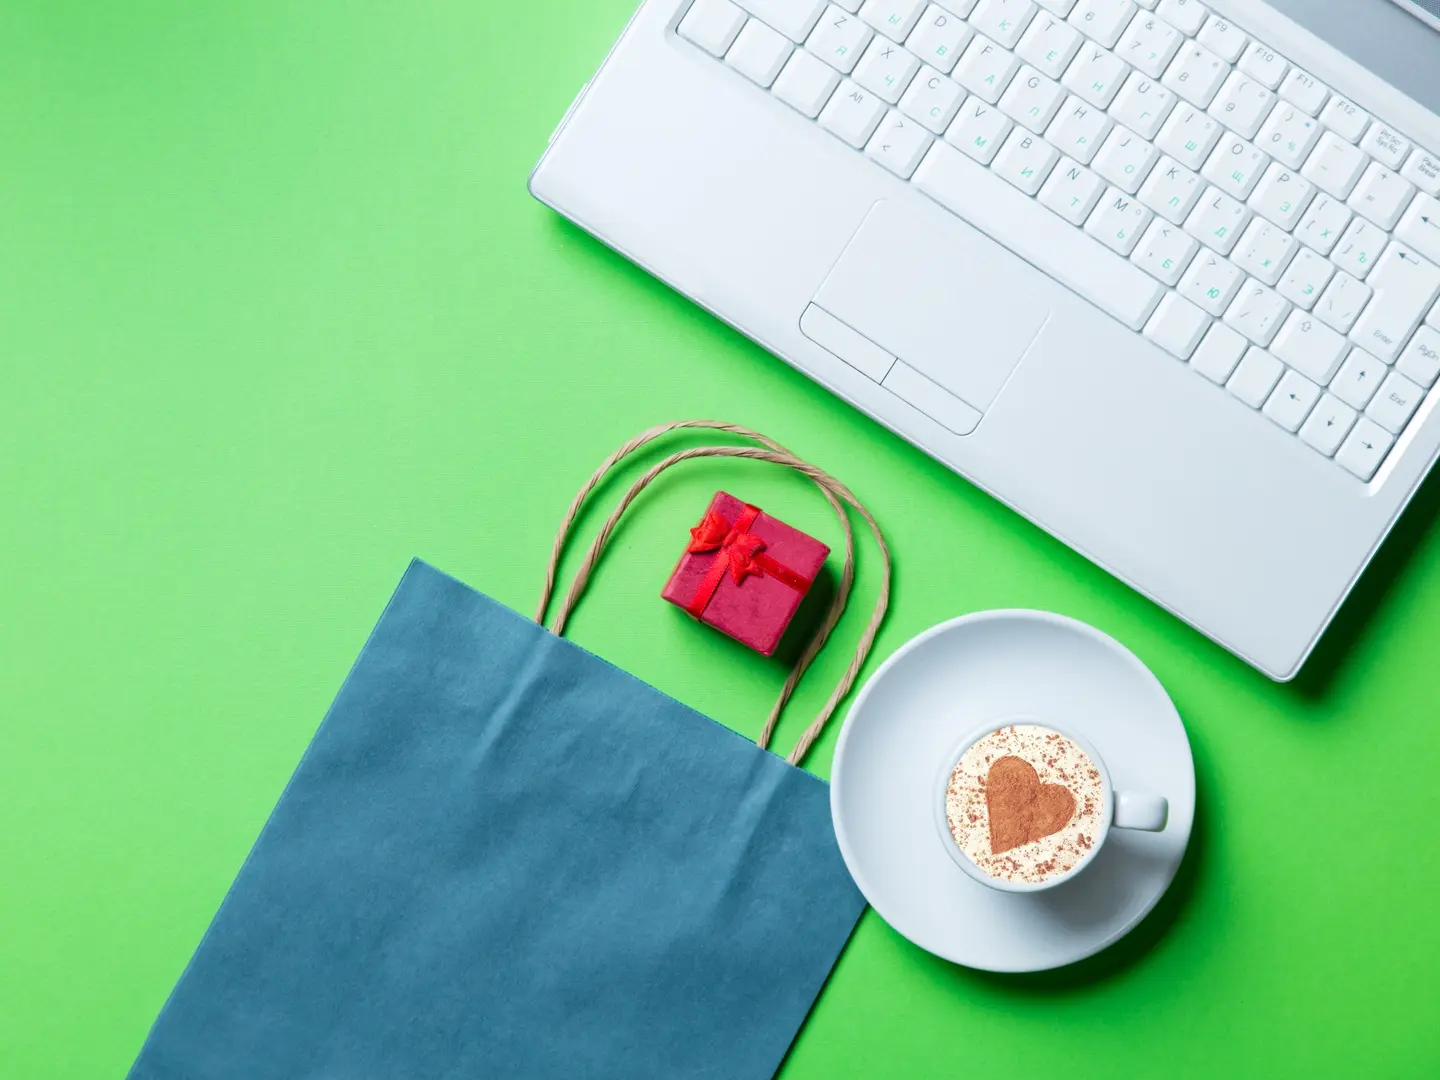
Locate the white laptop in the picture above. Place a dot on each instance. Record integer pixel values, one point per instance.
(1160, 274)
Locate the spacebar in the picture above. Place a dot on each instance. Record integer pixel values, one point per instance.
(1039, 237)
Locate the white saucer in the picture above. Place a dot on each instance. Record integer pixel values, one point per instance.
(948, 682)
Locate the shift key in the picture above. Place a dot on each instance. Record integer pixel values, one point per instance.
(1405, 286)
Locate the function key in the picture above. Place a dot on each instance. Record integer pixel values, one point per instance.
(1264, 64)
(1345, 118)
(1187, 15)
(1304, 91)
(1223, 38)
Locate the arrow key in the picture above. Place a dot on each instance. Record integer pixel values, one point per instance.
(1365, 449)
(1328, 425)
(1292, 401)
(1359, 378)
(1420, 227)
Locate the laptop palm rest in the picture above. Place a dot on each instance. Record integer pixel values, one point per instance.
(946, 301)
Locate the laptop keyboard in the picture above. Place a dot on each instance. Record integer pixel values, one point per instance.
(1157, 160)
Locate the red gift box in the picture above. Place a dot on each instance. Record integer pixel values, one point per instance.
(745, 573)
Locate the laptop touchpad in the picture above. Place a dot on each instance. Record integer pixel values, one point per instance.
(943, 298)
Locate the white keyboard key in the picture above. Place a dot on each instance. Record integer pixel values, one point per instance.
(1118, 221)
(1177, 326)
(1171, 190)
(886, 69)
(986, 69)
(1281, 196)
(1164, 252)
(1306, 277)
(1365, 449)
(1185, 15)
(1420, 227)
(1324, 223)
(1396, 402)
(853, 114)
(1304, 91)
(1292, 401)
(839, 39)
(1150, 43)
(939, 37)
(1032, 100)
(1310, 347)
(1067, 254)
(961, 8)
(1360, 376)
(793, 18)
(1058, 7)
(1255, 377)
(1359, 247)
(1103, 20)
(1342, 301)
(1189, 136)
(1235, 167)
(1217, 220)
(852, 6)
(1125, 159)
(1025, 161)
(1095, 75)
(1265, 64)
(1211, 282)
(1405, 287)
(1003, 20)
(1386, 145)
(759, 53)
(1420, 362)
(1335, 165)
(1423, 170)
(1381, 195)
(893, 18)
(713, 25)
(898, 144)
(1142, 105)
(1079, 129)
(806, 83)
(1072, 191)
(1049, 45)
(979, 129)
(1264, 251)
(1289, 135)
(1257, 312)
(1219, 353)
(1224, 39)
(1196, 74)
(1328, 425)
(1345, 118)
(932, 100)
(1242, 104)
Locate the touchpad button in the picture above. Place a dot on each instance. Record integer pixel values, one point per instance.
(941, 297)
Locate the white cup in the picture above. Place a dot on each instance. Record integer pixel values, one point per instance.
(1119, 810)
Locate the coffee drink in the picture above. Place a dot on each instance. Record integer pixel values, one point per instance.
(1025, 804)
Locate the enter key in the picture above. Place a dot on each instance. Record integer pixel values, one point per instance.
(1405, 286)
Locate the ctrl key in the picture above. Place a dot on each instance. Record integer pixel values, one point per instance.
(1365, 449)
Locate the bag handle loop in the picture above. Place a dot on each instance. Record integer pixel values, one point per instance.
(774, 453)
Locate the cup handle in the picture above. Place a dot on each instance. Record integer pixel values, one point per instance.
(1148, 813)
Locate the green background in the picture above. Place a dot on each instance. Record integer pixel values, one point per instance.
(276, 313)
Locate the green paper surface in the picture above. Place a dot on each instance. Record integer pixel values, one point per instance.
(276, 314)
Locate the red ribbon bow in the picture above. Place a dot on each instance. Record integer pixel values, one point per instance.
(741, 552)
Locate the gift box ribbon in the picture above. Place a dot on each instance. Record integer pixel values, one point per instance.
(742, 553)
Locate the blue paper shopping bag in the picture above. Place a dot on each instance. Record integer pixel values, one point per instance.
(503, 857)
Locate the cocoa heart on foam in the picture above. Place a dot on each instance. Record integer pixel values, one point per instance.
(1021, 808)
